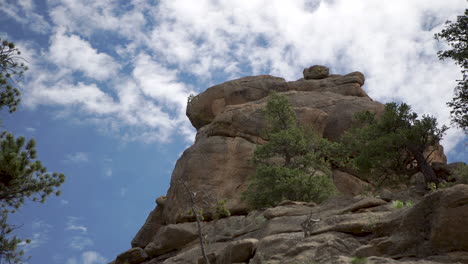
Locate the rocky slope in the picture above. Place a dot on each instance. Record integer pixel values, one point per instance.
(343, 229)
(229, 122)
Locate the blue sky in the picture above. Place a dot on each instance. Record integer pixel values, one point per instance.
(108, 82)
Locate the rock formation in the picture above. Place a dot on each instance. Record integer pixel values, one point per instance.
(229, 122)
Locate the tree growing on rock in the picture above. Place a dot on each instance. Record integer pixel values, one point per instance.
(390, 148)
(456, 35)
(291, 164)
(21, 175)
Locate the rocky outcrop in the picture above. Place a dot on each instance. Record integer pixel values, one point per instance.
(343, 228)
(230, 123)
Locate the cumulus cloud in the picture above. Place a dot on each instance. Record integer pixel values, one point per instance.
(77, 54)
(167, 50)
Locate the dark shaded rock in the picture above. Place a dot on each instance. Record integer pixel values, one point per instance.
(316, 72)
(152, 224)
(171, 237)
(132, 256)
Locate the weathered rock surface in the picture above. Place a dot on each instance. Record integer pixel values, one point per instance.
(434, 230)
(316, 72)
(349, 184)
(216, 168)
(152, 224)
(205, 106)
(230, 122)
(132, 256)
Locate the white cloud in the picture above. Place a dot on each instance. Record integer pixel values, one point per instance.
(174, 46)
(72, 224)
(88, 257)
(80, 242)
(30, 129)
(77, 54)
(78, 157)
(64, 202)
(22, 11)
(93, 257)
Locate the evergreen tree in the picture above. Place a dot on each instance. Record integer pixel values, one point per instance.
(390, 148)
(21, 175)
(456, 35)
(12, 68)
(290, 165)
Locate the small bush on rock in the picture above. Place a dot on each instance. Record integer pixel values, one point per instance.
(357, 260)
(401, 204)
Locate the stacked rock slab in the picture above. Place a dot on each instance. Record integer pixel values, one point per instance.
(229, 122)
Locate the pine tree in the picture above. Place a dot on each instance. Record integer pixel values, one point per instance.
(390, 148)
(21, 175)
(456, 35)
(290, 165)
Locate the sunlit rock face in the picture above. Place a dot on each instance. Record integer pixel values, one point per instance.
(229, 119)
(432, 230)
(230, 122)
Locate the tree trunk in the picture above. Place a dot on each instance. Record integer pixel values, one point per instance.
(425, 168)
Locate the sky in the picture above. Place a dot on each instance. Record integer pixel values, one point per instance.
(106, 92)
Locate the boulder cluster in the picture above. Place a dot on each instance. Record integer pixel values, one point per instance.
(230, 124)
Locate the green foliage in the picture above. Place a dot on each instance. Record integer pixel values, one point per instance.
(461, 173)
(8, 243)
(291, 165)
(401, 204)
(11, 70)
(357, 260)
(390, 148)
(191, 212)
(459, 176)
(221, 210)
(21, 175)
(456, 36)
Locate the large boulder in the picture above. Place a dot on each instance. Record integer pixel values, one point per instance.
(436, 225)
(132, 256)
(215, 168)
(171, 237)
(349, 184)
(204, 107)
(316, 72)
(339, 108)
(151, 226)
(249, 122)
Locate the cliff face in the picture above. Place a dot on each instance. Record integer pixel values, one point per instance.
(229, 122)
